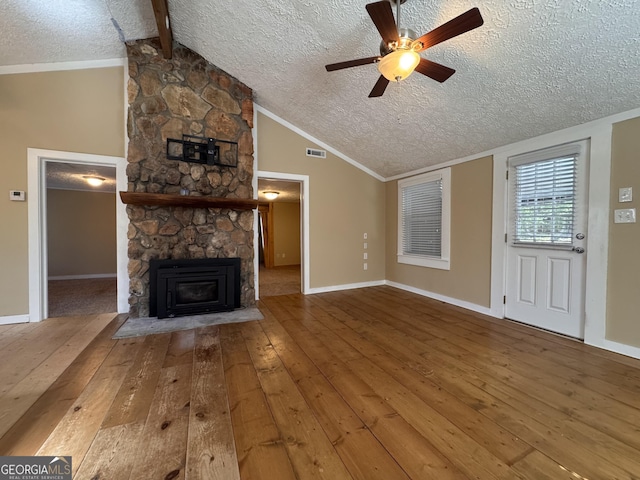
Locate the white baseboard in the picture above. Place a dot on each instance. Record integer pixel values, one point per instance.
(9, 319)
(616, 347)
(442, 298)
(83, 277)
(348, 286)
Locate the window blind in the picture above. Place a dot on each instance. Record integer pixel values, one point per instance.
(422, 219)
(545, 201)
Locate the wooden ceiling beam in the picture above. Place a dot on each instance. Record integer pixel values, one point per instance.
(161, 11)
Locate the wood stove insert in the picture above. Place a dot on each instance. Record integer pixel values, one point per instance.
(193, 286)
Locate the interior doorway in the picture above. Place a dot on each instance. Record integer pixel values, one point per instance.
(281, 239)
(81, 238)
(37, 161)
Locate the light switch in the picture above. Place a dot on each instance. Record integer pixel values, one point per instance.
(365, 245)
(625, 194)
(625, 215)
(365, 236)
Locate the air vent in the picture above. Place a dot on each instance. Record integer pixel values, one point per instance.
(314, 152)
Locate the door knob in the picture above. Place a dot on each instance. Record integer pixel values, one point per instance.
(578, 249)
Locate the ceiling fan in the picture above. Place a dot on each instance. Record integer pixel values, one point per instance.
(399, 50)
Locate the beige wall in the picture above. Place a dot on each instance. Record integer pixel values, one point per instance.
(623, 298)
(286, 233)
(344, 203)
(76, 111)
(469, 278)
(81, 232)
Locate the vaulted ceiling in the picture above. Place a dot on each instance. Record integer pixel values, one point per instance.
(535, 66)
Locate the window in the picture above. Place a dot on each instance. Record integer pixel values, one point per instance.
(544, 199)
(424, 219)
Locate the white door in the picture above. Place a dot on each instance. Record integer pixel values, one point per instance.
(546, 257)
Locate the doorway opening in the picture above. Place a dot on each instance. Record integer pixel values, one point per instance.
(39, 265)
(281, 249)
(81, 238)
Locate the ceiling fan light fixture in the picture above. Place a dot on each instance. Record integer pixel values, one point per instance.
(271, 195)
(399, 64)
(94, 180)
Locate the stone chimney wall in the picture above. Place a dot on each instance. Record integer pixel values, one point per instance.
(169, 98)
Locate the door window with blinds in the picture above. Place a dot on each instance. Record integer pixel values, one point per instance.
(543, 189)
(424, 219)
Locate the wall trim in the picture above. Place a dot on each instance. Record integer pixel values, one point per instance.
(305, 223)
(59, 66)
(320, 143)
(37, 232)
(443, 298)
(346, 286)
(621, 348)
(84, 277)
(10, 319)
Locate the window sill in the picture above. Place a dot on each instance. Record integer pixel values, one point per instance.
(430, 262)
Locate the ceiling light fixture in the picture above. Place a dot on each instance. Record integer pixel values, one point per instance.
(399, 64)
(93, 180)
(271, 195)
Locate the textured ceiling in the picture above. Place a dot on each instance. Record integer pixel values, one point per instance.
(70, 176)
(288, 191)
(535, 66)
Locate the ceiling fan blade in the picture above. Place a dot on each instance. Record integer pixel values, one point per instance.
(434, 70)
(351, 63)
(379, 87)
(382, 17)
(461, 24)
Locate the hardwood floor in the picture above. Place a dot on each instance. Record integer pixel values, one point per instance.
(367, 384)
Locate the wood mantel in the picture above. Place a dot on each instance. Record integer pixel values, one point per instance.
(168, 200)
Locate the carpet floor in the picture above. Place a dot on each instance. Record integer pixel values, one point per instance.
(85, 296)
(283, 280)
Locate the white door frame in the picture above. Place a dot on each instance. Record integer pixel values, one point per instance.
(37, 221)
(599, 134)
(304, 221)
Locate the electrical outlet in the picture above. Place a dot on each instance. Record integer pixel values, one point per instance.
(624, 215)
(365, 245)
(364, 266)
(365, 256)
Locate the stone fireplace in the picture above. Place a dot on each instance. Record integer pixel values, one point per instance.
(168, 98)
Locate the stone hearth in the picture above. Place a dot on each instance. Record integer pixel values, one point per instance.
(169, 98)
